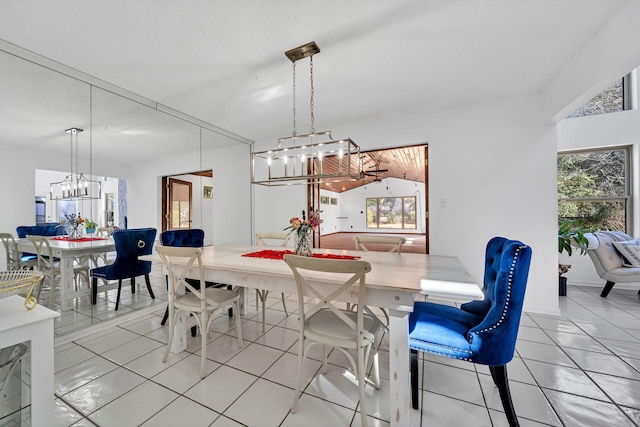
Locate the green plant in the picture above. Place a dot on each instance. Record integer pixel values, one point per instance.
(572, 235)
(88, 224)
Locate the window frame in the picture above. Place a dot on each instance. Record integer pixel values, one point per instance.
(628, 185)
(402, 216)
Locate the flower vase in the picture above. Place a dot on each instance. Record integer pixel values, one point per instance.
(90, 230)
(74, 232)
(302, 243)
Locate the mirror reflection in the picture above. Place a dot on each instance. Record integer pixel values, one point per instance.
(138, 152)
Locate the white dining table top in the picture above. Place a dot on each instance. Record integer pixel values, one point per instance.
(434, 275)
(69, 245)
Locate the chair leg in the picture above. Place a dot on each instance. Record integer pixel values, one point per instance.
(236, 305)
(94, 291)
(499, 375)
(204, 332)
(148, 282)
(165, 317)
(118, 297)
(284, 305)
(413, 359)
(362, 385)
(262, 295)
(133, 285)
(296, 397)
(607, 289)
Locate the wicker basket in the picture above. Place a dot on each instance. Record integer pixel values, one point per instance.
(21, 282)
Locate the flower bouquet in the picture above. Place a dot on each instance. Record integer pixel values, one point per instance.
(303, 229)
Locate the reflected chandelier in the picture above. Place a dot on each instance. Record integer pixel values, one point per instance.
(75, 185)
(310, 158)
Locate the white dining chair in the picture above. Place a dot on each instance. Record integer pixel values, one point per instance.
(203, 303)
(263, 239)
(395, 242)
(322, 322)
(15, 260)
(50, 267)
(392, 244)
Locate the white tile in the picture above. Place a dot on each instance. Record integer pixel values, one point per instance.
(82, 373)
(581, 411)
(181, 376)
(278, 337)
(71, 356)
(253, 409)
(285, 371)
(131, 350)
(222, 348)
(108, 341)
(619, 389)
(457, 383)
(255, 359)
(314, 412)
(444, 411)
(603, 363)
(139, 404)
(177, 413)
(63, 414)
(563, 378)
(103, 390)
(221, 388)
(151, 363)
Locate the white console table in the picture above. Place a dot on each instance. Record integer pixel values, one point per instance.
(18, 325)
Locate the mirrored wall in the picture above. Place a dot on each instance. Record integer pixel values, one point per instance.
(129, 143)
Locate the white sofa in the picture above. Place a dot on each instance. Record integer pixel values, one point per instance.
(607, 260)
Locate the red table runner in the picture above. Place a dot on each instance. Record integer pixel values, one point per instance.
(82, 239)
(279, 254)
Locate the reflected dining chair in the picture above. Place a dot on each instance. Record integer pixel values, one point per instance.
(322, 322)
(263, 239)
(130, 244)
(202, 302)
(392, 244)
(15, 259)
(482, 332)
(50, 266)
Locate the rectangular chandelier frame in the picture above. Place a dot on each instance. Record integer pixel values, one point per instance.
(300, 159)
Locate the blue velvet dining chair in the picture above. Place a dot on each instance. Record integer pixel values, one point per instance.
(130, 244)
(482, 332)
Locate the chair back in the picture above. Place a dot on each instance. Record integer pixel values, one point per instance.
(105, 231)
(180, 261)
(54, 229)
(11, 251)
(46, 261)
(396, 242)
(280, 239)
(130, 244)
(306, 269)
(192, 238)
(493, 340)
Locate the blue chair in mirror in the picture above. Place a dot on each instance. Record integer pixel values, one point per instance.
(482, 332)
(130, 244)
(42, 229)
(192, 238)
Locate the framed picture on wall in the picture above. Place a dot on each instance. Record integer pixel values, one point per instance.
(207, 192)
(324, 200)
(334, 201)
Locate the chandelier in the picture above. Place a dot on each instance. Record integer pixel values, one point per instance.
(75, 185)
(315, 157)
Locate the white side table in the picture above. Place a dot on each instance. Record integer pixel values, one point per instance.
(18, 325)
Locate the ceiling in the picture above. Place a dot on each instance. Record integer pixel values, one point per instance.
(383, 64)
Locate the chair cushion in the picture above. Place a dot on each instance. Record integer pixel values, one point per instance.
(630, 252)
(431, 324)
(325, 323)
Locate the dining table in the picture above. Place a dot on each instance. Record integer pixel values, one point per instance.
(394, 282)
(68, 250)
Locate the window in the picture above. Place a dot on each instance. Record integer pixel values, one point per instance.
(594, 188)
(391, 212)
(619, 96)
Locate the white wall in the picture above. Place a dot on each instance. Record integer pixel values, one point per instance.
(493, 164)
(352, 206)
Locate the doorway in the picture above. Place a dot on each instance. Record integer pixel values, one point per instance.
(389, 175)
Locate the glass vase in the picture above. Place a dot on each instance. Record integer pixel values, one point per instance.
(302, 243)
(74, 232)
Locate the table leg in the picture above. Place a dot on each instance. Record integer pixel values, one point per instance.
(399, 367)
(66, 282)
(42, 374)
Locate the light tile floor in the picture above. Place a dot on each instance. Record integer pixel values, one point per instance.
(581, 369)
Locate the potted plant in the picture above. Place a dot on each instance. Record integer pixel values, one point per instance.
(570, 236)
